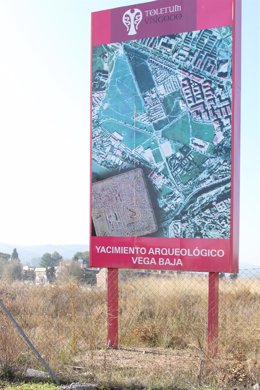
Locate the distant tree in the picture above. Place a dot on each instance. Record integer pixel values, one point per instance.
(56, 257)
(51, 275)
(13, 271)
(50, 260)
(222, 275)
(15, 255)
(82, 255)
(46, 260)
(233, 277)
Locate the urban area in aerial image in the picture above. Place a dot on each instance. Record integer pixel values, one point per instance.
(161, 110)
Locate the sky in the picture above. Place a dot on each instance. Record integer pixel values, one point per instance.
(44, 122)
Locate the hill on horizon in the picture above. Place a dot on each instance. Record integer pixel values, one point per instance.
(31, 254)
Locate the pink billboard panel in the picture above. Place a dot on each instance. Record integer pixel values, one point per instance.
(165, 96)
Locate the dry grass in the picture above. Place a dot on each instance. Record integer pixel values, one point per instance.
(162, 328)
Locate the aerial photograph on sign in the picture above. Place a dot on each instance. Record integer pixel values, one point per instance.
(122, 207)
(161, 117)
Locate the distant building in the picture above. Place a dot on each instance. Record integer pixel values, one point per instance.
(40, 276)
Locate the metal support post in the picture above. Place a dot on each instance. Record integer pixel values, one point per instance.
(213, 313)
(112, 308)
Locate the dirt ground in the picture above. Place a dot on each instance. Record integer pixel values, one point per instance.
(158, 368)
(149, 367)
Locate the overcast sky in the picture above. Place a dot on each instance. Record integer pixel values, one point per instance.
(44, 122)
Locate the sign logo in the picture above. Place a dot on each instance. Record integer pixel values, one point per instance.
(131, 19)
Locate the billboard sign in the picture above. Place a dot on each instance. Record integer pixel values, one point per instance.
(165, 136)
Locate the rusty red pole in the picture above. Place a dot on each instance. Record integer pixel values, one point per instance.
(213, 313)
(112, 308)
